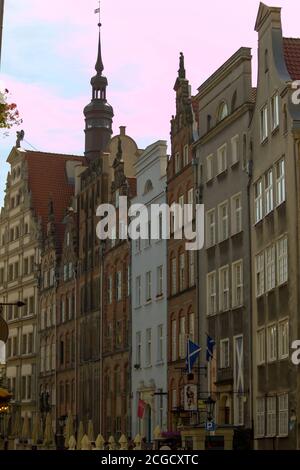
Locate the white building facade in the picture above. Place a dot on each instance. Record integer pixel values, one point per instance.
(149, 303)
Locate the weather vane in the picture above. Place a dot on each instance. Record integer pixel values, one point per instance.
(98, 10)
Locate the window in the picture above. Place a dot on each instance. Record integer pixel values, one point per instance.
(260, 417)
(1, 276)
(223, 111)
(148, 346)
(119, 334)
(223, 222)
(128, 280)
(258, 203)
(272, 343)
(224, 289)
(182, 338)
(259, 274)
(224, 353)
(138, 291)
(237, 284)
(261, 347)
(174, 398)
(209, 168)
(234, 149)
(138, 348)
(269, 191)
(160, 343)
(148, 286)
(182, 271)
(191, 318)
(211, 228)
(159, 281)
(211, 294)
(222, 159)
(271, 416)
(282, 261)
(174, 276)
(280, 182)
(177, 162)
(283, 414)
(275, 111)
(191, 268)
(174, 340)
(190, 213)
(236, 214)
(109, 289)
(264, 123)
(270, 268)
(119, 286)
(283, 339)
(185, 155)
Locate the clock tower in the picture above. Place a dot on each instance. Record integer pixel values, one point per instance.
(98, 113)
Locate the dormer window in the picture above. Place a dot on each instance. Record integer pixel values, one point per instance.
(223, 111)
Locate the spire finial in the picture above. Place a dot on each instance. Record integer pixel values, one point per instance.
(99, 64)
(181, 71)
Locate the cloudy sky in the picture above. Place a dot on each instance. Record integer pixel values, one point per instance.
(49, 52)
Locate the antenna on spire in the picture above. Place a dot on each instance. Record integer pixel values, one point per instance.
(98, 11)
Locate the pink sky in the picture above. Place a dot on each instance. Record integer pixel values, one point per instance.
(141, 41)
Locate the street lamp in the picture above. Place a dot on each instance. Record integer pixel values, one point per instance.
(210, 407)
(3, 325)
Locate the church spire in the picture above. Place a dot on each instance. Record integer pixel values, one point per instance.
(98, 113)
(181, 71)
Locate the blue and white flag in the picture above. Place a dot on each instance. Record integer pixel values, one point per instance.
(193, 351)
(209, 348)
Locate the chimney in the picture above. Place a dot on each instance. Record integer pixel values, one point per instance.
(122, 130)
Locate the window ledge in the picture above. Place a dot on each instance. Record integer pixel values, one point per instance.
(263, 142)
(159, 297)
(222, 173)
(235, 164)
(275, 130)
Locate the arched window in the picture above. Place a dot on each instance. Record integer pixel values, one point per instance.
(223, 111)
(148, 187)
(233, 101)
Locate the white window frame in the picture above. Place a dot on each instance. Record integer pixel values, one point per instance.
(283, 415)
(261, 346)
(283, 339)
(173, 276)
(223, 222)
(259, 274)
(174, 340)
(258, 201)
(236, 214)
(160, 343)
(224, 353)
(275, 111)
(119, 286)
(222, 159)
(182, 262)
(185, 155)
(224, 289)
(234, 149)
(191, 257)
(271, 416)
(280, 182)
(211, 289)
(182, 337)
(148, 347)
(269, 200)
(159, 275)
(148, 292)
(270, 268)
(272, 343)
(210, 228)
(260, 430)
(138, 291)
(264, 131)
(209, 167)
(237, 284)
(282, 260)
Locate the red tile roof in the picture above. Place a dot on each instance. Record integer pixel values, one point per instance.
(47, 179)
(291, 50)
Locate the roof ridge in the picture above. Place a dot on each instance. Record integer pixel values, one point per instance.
(55, 153)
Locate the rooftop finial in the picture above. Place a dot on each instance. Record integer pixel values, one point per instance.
(99, 64)
(181, 71)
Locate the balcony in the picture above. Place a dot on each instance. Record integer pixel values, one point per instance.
(224, 375)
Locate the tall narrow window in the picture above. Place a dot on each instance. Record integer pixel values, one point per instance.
(138, 358)
(174, 340)
(185, 155)
(264, 123)
(283, 418)
(271, 416)
(236, 214)
(209, 168)
(148, 347)
(237, 284)
(234, 149)
(182, 271)
(280, 182)
(222, 159)
(283, 339)
(275, 111)
(138, 291)
(282, 260)
(109, 289)
(224, 289)
(224, 353)
(182, 338)
(270, 268)
(191, 268)
(272, 343)
(160, 343)
(261, 347)
(173, 276)
(159, 281)
(148, 286)
(210, 228)
(258, 202)
(223, 222)
(119, 286)
(259, 274)
(177, 162)
(269, 191)
(260, 417)
(211, 293)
